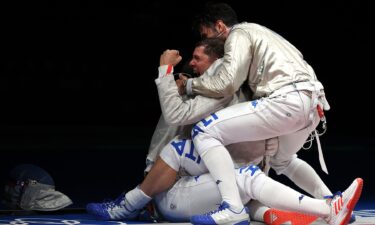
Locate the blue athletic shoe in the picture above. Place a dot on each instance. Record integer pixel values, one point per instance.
(223, 216)
(117, 209)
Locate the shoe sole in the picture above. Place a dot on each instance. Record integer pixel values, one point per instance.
(238, 222)
(351, 204)
(282, 217)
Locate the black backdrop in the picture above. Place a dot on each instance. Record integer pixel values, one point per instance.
(78, 96)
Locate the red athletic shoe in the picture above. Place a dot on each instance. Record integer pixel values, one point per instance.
(277, 217)
(342, 205)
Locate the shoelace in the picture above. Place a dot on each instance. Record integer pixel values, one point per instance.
(338, 193)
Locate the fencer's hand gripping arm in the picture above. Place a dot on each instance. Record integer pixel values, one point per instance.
(179, 110)
(233, 73)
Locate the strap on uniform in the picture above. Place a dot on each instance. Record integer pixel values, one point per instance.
(316, 106)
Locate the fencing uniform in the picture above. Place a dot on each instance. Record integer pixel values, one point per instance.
(287, 95)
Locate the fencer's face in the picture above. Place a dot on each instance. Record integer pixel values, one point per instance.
(220, 30)
(209, 32)
(200, 61)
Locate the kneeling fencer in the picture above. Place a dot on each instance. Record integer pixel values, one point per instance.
(180, 153)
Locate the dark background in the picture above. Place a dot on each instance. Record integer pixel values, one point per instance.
(78, 96)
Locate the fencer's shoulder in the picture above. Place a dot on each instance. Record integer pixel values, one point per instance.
(249, 28)
(247, 25)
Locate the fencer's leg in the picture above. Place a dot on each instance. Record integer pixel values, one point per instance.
(305, 177)
(177, 155)
(336, 211)
(216, 160)
(126, 206)
(263, 189)
(271, 216)
(221, 167)
(285, 162)
(159, 179)
(190, 195)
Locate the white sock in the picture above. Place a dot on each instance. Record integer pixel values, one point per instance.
(305, 177)
(137, 199)
(277, 195)
(221, 167)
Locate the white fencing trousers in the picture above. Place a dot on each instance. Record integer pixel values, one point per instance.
(180, 154)
(193, 195)
(286, 116)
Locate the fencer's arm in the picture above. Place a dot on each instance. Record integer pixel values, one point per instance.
(179, 111)
(232, 74)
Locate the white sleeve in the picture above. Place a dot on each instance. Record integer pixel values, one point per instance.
(165, 70)
(163, 134)
(179, 111)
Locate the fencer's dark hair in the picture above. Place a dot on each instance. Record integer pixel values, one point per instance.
(213, 12)
(213, 47)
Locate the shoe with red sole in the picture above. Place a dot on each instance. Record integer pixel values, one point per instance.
(342, 205)
(277, 217)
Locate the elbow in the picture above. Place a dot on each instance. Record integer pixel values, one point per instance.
(229, 90)
(225, 90)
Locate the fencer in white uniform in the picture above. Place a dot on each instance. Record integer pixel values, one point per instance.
(286, 96)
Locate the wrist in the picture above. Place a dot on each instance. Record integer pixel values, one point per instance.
(169, 69)
(165, 70)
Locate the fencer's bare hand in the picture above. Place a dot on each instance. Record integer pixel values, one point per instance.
(180, 82)
(170, 57)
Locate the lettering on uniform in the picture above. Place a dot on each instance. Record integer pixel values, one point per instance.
(250, 169)
(196, 130)
(191, 156)
(207, 121)
(179, 146)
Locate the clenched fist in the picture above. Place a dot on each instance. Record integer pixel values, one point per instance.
(170, 57)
